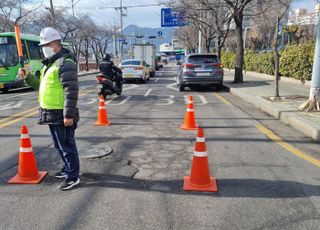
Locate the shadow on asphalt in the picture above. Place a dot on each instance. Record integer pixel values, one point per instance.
(20, 90)
(98, 139)
(250, 188)
(248, 84)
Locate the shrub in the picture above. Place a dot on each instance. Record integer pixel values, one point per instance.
(295, 61)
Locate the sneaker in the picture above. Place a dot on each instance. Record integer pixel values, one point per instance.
(60, 175)
(68, 184)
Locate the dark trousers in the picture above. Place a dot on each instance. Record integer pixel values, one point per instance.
(64, 141)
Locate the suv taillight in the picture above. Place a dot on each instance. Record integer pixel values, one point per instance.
(220, 65)
(188, 65)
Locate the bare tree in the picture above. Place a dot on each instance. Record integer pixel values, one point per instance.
(188, 36)
(287, 4)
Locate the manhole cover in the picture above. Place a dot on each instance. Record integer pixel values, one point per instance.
(96, 152)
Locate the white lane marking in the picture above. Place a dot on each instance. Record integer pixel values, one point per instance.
(19, 95)
(169, 100)
(88, 101)
(170, 86)
(131, 87)
(202, 98)
(148, 92)
(11, 105)
(156, 80)
(125, 100)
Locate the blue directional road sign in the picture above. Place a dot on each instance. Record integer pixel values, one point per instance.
(171, 18)
(159, 33)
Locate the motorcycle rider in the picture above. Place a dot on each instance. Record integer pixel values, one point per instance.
(108, 68)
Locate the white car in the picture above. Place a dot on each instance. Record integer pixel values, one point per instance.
(135, 69)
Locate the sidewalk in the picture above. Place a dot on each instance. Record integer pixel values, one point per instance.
(257, 90)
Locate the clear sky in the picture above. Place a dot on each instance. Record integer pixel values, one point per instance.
(306, 4)
(145, 16)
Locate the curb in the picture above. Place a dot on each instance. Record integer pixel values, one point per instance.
(308, 128)
(271, 77)
(88, 73)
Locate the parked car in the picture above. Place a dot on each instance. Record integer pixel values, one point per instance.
(200, 69)
(134, 69)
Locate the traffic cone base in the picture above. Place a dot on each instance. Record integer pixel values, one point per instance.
(19, 180)
(188, 186)
(102, 124)
(185, 127)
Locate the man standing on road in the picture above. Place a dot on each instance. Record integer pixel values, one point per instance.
(58, 96)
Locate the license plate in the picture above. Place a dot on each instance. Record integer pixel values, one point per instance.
(203, 74)
(1, 86)
(201, 69)
(128, 75)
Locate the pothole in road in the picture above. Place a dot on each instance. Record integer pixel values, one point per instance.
(95, 152)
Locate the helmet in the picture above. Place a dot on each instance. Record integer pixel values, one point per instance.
(107, 57)
(48, 35)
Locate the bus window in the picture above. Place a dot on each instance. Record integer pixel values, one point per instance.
(34, 50)
(25, 55)
(8, 52)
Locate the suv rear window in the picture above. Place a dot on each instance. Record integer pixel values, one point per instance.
(199, 59)
(131, 62)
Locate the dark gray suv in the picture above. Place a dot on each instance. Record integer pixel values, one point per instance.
(200, 69)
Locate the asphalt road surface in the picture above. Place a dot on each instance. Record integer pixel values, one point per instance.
(268, 174)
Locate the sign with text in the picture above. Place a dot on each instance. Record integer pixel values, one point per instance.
(171, 18)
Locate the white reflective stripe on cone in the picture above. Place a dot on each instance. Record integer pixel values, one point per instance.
(201, 139)
(190, 110)
(190, 102)
(200, 154)
(102, 107)
(101, 100)
(25, 136)
(26, 150)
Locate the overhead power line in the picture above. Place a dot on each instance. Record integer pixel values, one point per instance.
(109, 7)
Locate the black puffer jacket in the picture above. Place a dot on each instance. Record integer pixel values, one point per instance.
(69, 79)
(108, 68)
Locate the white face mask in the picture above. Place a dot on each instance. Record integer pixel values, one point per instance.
(48, 52)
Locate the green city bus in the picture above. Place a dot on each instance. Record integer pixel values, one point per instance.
(9, 59)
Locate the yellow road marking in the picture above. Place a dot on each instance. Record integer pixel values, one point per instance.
(16, 115)
(225, 101)
(28, 113)
(18, 119)
(287, 146)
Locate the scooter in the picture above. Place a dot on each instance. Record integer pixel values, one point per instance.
(107, 86)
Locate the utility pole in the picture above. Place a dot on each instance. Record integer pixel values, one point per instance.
(52, 13)
(121, 30)
(115, 53)
(73, 4)
(314, 97)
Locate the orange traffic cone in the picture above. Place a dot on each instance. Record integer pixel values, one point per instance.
(102, 114)
(200, 179)
(27, 172)
(189, 120)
